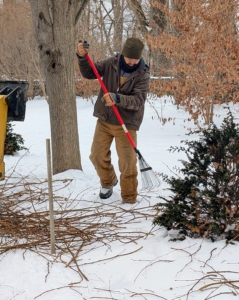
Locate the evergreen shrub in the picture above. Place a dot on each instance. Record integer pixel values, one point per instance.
(205, 201)
(14, 142)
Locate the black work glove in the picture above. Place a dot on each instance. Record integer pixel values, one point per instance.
(82, 48)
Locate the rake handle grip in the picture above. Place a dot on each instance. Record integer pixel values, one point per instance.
(113, 106)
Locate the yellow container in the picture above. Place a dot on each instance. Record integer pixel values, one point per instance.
(3, 128)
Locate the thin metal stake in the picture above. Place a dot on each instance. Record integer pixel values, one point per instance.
(51, 209)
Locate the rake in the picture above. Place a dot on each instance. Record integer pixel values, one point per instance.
(149, 178)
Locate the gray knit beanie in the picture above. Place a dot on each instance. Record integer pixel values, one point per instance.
(133, 48)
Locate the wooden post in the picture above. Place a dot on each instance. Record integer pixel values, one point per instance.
(51, 208)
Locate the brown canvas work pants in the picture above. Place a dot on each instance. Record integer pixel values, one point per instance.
(101, 158)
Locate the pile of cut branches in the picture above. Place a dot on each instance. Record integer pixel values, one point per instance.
(79, 224)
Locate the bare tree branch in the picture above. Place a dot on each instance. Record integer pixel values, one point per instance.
(107, 32)
(50, 4)
(137, 9)
(80, 9)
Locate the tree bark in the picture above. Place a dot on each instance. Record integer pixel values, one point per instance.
(118, 25)
(54, 23)
(158, 15)
(135, 6)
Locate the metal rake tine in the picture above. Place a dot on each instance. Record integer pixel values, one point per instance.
(149, 179)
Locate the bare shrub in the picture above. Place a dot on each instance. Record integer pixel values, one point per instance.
(202, 44)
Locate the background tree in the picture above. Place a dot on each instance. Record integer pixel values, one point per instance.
(105, 27)
(18, 51)
(203, 49)
(118, 9)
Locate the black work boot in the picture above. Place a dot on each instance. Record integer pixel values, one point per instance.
(106, 192)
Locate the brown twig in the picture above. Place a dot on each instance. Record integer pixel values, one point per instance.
(24, 222)
(215, 283)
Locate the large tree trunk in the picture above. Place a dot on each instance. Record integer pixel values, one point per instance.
(54, 23)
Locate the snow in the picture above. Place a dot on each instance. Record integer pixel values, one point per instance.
(125, 257)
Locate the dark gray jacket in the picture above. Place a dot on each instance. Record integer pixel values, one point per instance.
(132, 93)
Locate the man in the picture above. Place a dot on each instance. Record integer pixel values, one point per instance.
(126, 77)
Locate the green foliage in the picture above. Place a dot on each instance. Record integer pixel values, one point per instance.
(204, 202)
(13, 142)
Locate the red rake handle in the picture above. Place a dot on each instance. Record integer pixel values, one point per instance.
(113, 106)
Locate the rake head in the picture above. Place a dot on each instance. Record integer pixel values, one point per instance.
(149, 179)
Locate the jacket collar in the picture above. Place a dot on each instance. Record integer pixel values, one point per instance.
(142, 67)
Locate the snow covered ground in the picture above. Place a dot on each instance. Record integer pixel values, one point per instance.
(104, 249)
